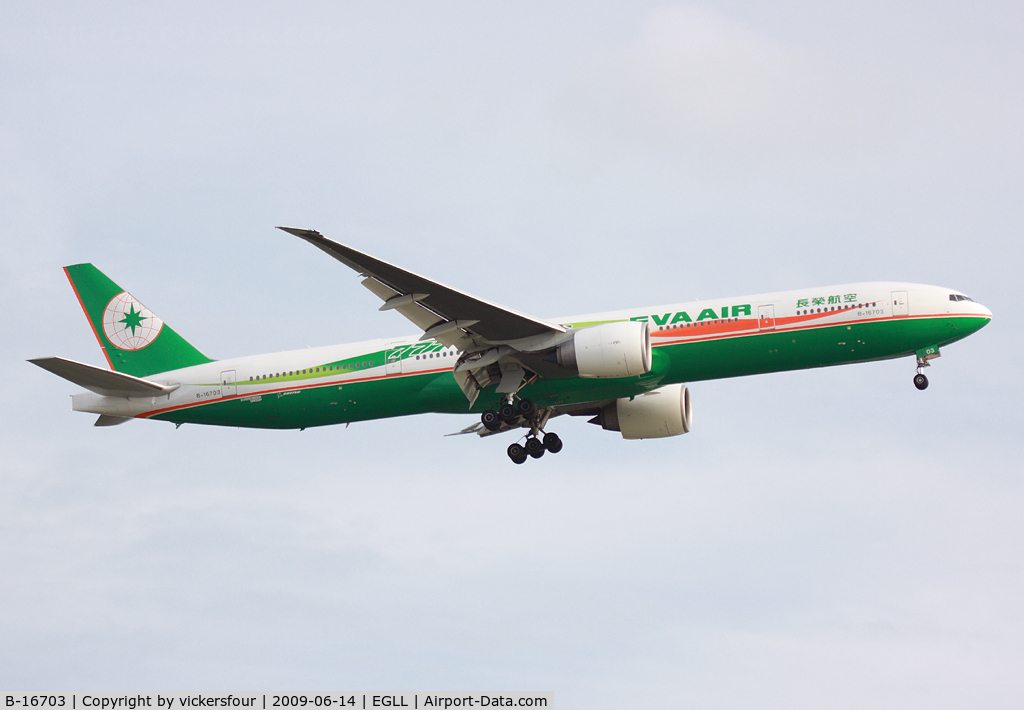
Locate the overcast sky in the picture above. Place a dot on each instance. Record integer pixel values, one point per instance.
(829, 538)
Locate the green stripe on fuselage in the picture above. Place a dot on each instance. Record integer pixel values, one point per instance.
(717, 358)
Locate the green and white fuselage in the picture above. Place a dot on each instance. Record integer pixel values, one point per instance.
(691, 342)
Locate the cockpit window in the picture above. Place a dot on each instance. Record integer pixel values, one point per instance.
(958, 297)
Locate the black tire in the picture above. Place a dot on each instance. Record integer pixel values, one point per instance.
(526, 408)
(552, 443)
(920, 381)
(507, 412)
(490, 420)
(534, 447)
(517, 453)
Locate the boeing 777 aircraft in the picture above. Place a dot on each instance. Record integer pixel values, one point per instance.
(626, 369)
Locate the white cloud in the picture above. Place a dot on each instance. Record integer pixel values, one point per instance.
(694, 77)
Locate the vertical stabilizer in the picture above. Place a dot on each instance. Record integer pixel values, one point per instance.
(133, 338)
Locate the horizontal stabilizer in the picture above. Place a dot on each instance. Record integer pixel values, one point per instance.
(104, 382)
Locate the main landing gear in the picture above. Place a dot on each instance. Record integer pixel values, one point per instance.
(535, 447)
(523, 413)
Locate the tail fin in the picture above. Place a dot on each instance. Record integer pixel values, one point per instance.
(134, 340)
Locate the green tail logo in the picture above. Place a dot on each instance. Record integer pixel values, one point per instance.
(133, 338)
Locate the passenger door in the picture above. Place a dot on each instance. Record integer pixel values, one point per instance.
(228, 386)
(900, 303)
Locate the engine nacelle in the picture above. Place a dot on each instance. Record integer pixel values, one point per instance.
(620, 349)
(652, 415)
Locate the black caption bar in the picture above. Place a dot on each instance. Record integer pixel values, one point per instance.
(273, 701)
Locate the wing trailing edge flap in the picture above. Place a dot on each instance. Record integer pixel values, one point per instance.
(421, 317)
(103, 382)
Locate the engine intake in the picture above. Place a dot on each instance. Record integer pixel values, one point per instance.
(653, 415)
(621, 349)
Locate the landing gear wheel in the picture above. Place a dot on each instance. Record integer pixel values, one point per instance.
(534, 447)
(507, 412)
(552, 443)
(920, 381)
(517, 453)
(490, 420)
(526, 408)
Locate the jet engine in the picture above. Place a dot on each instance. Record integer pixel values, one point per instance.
(621, 349)
(652, 415)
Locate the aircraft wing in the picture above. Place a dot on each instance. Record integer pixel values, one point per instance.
(490, 336)
(431, 305)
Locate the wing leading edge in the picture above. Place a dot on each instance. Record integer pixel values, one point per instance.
(405, 291)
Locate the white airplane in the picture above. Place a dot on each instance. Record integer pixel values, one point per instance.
(626, 369)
